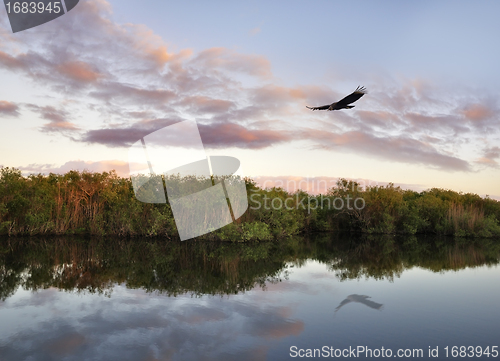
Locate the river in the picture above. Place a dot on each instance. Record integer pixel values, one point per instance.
(326, 296)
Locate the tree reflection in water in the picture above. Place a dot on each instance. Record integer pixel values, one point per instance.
(199, 268)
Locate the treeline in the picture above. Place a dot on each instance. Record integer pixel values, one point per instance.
(104, 204)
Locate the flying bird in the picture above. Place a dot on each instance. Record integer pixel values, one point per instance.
(344, 103)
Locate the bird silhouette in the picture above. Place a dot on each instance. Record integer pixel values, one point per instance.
(344, 103)
(360, 299)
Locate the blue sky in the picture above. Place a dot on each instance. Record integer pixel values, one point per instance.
(76, 92)
(306, 42)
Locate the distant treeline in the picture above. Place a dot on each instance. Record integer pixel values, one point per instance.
(104, 204)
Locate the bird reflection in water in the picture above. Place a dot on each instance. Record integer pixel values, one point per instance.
(360, 299)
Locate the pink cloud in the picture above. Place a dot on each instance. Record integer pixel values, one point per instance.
(224, 135)
(58, 119)
(125, 136)
(126, 93)
(421, 122)
(148, 44)
(321, 185)
(395, 148)
(213, 135)
(490, 157)
(381, 119)
(225, 59)
(79, 71)
(483, 116)
(206, 105)
(121, 167)
(9, 61)
(477, 112)
(8, 108)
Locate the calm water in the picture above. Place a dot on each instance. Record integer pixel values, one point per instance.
(67, 299)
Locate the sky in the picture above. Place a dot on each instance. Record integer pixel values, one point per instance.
(77, 92)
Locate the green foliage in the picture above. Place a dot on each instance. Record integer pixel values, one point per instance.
(284, 213)
(256, 231)
(105, 204)
(392, 210)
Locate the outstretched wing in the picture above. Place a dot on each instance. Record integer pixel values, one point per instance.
(371, 304)
(344, 302)
(351, 98)
(324, 107)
